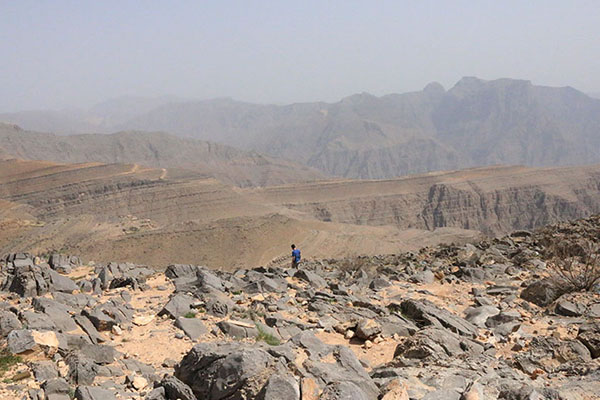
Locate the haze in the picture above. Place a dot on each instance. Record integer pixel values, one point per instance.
(59, 54)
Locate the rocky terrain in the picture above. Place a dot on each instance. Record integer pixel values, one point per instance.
(489, 320)
(474, 123)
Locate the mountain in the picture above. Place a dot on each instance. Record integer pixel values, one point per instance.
(475, 123)
(156, 216)
(154, 149)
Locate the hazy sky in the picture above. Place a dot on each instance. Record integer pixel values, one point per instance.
(57, 54)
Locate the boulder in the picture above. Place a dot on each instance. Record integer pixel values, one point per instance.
(425, 313)
(542, 292)
(178, 306)
(192, 327)
(93, 393)
(218, 371)
(367, 329)
(175, 389)
(280, 386)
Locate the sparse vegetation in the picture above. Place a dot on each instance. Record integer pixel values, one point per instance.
(266, 337)
(575, 265)
(190, 314)
(7, 360)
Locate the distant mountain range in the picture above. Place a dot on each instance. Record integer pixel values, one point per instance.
(155, 149)
(475, 123)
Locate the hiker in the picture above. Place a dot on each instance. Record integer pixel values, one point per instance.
(295, 256)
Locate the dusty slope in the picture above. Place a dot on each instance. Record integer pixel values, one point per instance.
(147, 215)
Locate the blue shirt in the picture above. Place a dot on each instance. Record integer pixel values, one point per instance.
(296, 255)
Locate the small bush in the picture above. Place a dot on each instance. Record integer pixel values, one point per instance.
(576, 266)
(7, 360)
(190, 314)
(266, 337)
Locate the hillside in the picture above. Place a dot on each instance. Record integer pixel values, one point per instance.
(154, 149)
(153, 216)
(491, 320)
(475, 123)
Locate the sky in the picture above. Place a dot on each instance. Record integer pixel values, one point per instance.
(72, 54)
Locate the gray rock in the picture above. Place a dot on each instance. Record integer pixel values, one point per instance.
(367, 329)
(425, 313)
(443, 394)
(311, 278)
(347, 368)
(541, 293)
(569, 309)
(37, 321)
(280, 387)
(589, 335)
(175, 389)
(82, 371)
(479, 315)
(93, 393)
(178, 305)
(55, 385)
(62, 283)
(156, 394)
(89, 329)
(220, 371)
(502, 318)
(44, 370)
(238, 329)
(8, 323)
(192, 327)
(344, 391)
(20, 341)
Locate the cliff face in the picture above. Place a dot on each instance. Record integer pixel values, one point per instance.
(491, 200)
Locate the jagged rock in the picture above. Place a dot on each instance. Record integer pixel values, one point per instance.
(176, 389)
(21, 341)
(314, 346)
(82, 371)
(502, 318)
(156, 394)
(569, 309)
(8, 323)
(541, 293)
(44, 370)
(220, 371)
(89, 328)
(425, 276)
(379, 283)
(367, 329)
(93, 393)
(443, 394)
(311, 278)
(280, 387)
(347, 368)
(479, 315)
(344, 391)
(55, 386)
(589, 335)
(56, 312)
(62, 283)
(37, 321)
(436, 344)
(425, 313)
(192, 327)
(178, 305)
(238, 329)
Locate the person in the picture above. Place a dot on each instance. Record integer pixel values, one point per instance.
(295, 256)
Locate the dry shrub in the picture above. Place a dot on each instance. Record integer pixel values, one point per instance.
(576, 265)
